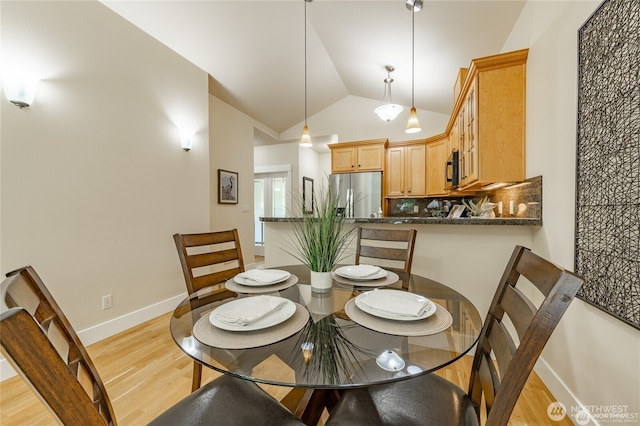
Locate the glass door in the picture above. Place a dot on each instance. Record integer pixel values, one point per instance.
(271, 194)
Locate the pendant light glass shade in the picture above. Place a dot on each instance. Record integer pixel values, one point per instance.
(388, 110)
(305, 140)
(413, 125)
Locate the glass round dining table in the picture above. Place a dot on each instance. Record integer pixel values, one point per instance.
(335, 345)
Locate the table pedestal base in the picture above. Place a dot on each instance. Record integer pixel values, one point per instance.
(308, 404)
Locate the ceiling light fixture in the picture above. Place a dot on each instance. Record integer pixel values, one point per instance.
(413, 126)
(414, 5)
(305, 140)
(388, 110)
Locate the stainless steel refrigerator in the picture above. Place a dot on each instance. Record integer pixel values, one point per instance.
(360, 193)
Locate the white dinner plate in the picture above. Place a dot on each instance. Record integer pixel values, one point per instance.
(388, 315)
(275, 318)
(348, 273)
(279, 276)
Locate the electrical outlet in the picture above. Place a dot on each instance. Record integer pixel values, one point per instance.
(107, 301)
(416, 209)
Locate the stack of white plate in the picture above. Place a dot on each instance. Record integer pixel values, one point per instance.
(260, 277)
(361, 272)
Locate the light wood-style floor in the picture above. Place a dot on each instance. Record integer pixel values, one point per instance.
(145, 373)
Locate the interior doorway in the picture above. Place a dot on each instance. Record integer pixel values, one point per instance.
(271, 198)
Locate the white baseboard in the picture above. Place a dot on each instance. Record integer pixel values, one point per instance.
(559, 389)
(109, 328)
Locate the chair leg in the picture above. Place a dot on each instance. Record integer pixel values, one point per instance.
(197, 376)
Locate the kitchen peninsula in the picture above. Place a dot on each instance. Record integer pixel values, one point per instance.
(468, 258)
(467, 253)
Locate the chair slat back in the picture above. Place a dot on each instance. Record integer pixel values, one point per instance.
(515, 353)
(209, 258)
(393, 245)
(43, 347)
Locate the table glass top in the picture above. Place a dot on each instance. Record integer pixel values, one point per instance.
(331, 350)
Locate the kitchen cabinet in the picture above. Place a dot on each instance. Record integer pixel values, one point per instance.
(437, 149)
(360, 156)
(488, 121)
(468, 142)
(406, 169)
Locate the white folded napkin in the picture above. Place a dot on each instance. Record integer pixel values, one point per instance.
(266, 276)
(361, 271)
(249, 310)
(389, 303)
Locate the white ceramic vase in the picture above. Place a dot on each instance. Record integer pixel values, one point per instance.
(321, 282)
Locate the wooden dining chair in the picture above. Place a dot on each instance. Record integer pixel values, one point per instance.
(209, 260)
(43, 347)
(431, 400)
(389, 248)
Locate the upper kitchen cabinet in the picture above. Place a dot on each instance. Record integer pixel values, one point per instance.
(488, 121)
(406, 169)
(360, 156)
(437, 153)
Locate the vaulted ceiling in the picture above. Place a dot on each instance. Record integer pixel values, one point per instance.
(254, 50)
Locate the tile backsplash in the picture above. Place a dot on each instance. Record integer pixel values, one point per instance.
(526, 199)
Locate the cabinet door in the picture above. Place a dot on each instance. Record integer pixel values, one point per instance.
(471, 136)
(437, 154)
(454, 142)
(370, 158)
(395, 172)
(415, 170)
(462, 146)
(343, 160)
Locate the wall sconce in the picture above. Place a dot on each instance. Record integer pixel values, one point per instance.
(20, 88)
(186, 140)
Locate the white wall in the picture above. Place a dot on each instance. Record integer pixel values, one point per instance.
(231, 148)
(311, 167)
(595, 355)
(93, 179)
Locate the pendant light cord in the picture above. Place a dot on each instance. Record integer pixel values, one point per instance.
(413, 42)
(305, 62)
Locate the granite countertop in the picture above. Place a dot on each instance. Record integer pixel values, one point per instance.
(415, 220)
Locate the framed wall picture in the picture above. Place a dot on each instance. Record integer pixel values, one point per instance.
(307, 195)
(227, 187)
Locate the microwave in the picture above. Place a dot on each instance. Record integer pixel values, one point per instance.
(451, 175)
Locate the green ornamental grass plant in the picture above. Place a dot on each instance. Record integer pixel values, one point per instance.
(320, 238)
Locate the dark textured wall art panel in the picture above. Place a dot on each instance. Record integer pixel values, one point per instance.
(608, 160)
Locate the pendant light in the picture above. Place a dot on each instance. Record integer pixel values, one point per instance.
(388, 110)
(305, 140)
(413, 126)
